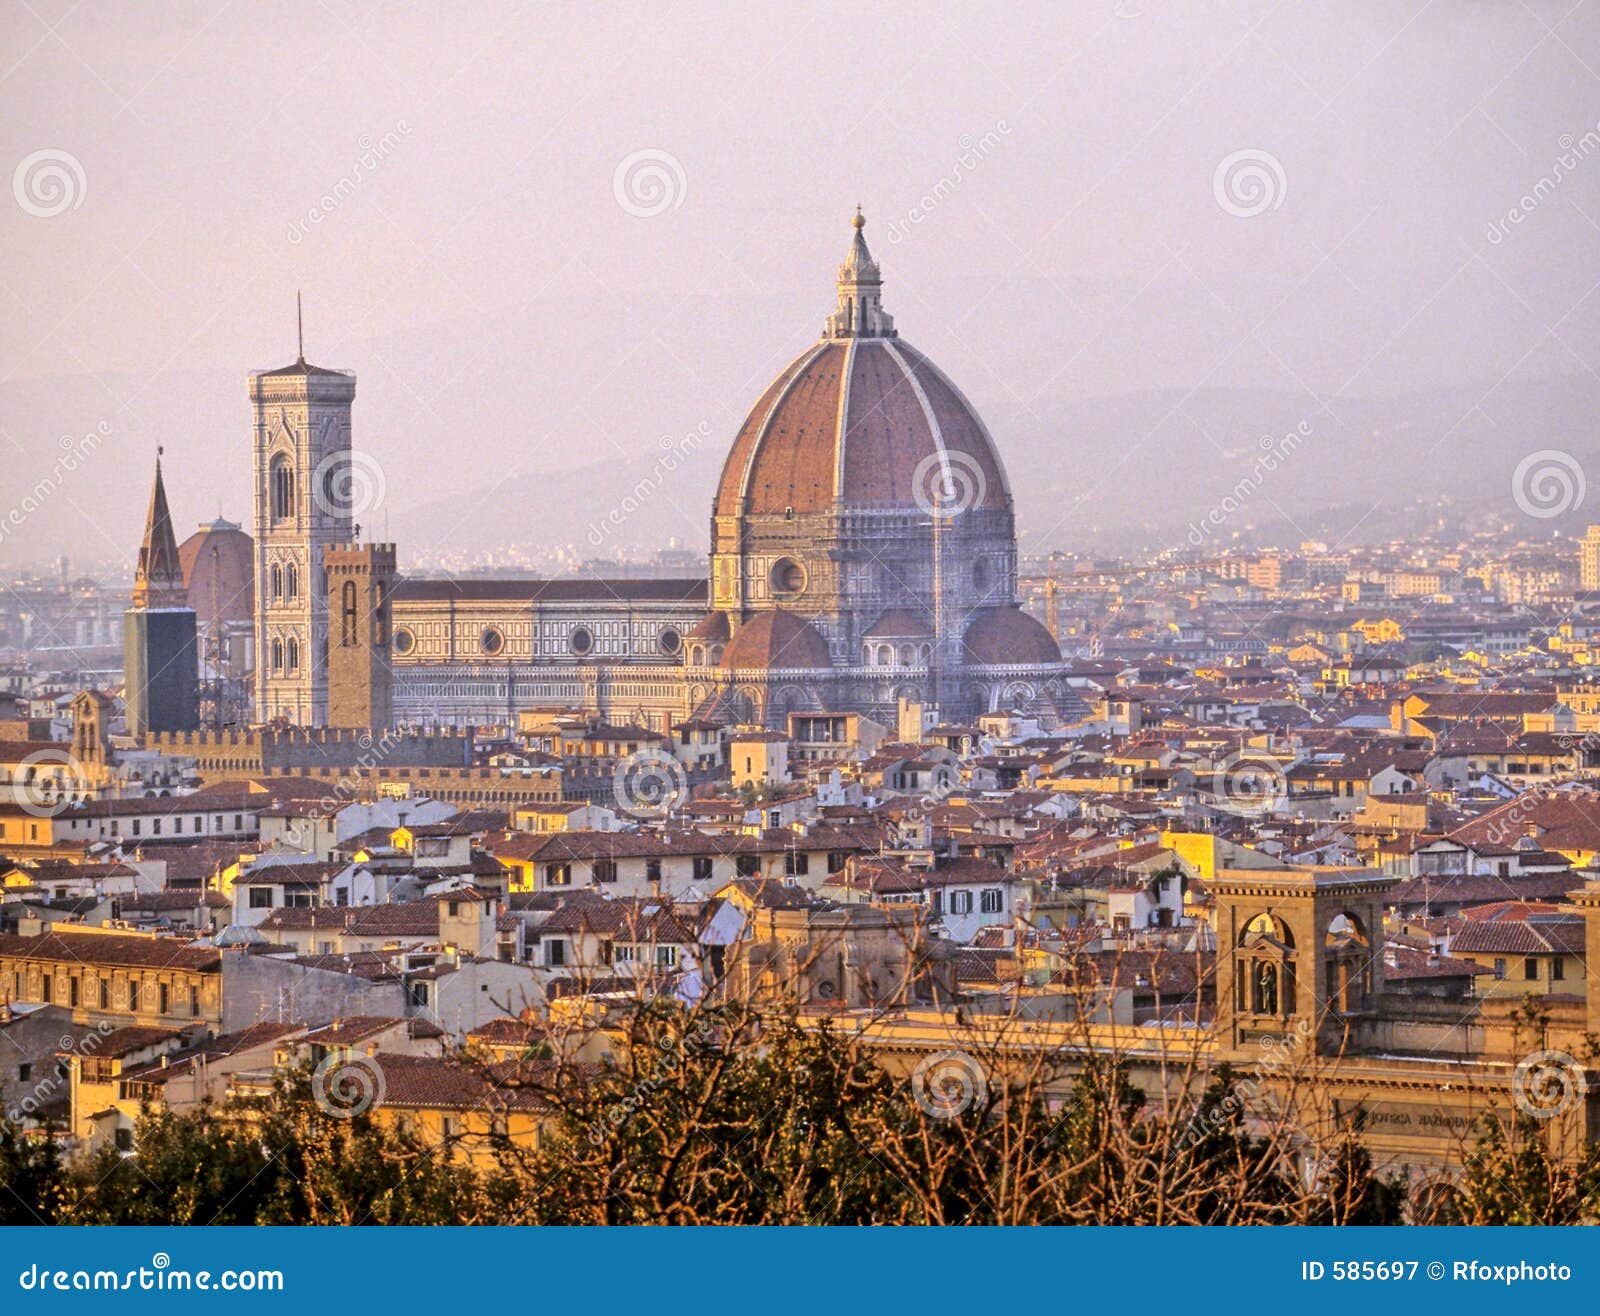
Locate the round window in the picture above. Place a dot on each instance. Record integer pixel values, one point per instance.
(671, 640)
(404, 641)
(582, 639)
(492, 641)
(788, 576)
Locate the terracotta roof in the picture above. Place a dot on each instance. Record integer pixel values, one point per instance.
(112, 948)
(357, 1028)
(427, 1082)
(712, 627)
(776, 639)
(1536, 936)
(218, 563)
(900, 624)
(814, 440)
(1008, 635)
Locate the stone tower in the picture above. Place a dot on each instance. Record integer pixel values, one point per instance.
(159, 652)
(1299, 955)
(360, 677)
(303, 480)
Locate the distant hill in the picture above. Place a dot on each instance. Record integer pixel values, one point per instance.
(1139, 470)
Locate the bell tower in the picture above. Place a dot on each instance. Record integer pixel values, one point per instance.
(303, 484)
(1299, 955)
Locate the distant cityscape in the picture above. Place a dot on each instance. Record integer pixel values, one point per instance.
(1257, 861)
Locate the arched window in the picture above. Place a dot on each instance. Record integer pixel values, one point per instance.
(347, 614)
(277, 655)
(282, 480)
(1264, 988)
(277, 581)
(291, 581)
(380, 615)
(291, 654)
(883, 655)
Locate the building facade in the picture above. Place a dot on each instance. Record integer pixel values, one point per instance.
(863, 551)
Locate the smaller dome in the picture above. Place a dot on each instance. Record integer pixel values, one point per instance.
(220, 581)
(1004, 636)
(777, 639)
(900, 624)
(713, 627)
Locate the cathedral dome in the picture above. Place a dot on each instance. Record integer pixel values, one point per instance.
(860, 418)
(776, 638)
(1004, 636)
(218, 563)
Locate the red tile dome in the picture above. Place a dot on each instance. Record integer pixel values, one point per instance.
(220, 584)
(779, 639)
(1004, 636)
(860, 418)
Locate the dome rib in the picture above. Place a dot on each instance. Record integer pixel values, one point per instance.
(927, 412)
(853, 419)
(842, 426)
(760, 443)
(990, 455)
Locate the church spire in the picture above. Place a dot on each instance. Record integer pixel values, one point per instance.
(158, 580)
(860, 313)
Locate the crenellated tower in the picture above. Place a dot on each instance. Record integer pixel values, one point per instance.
(360, 677)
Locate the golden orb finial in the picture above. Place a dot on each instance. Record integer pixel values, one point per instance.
(860, 221)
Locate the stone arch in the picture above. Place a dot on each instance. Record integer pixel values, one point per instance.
(1266, 972)
(1018, 694)
(1347, 961)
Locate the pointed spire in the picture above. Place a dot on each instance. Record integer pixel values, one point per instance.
(158, 580)
(860, 313)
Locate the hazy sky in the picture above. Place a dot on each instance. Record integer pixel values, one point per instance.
(1041, 185)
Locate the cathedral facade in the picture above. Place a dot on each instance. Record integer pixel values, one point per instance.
(863, 551)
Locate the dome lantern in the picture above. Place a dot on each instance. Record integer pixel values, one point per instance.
(860, 313)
